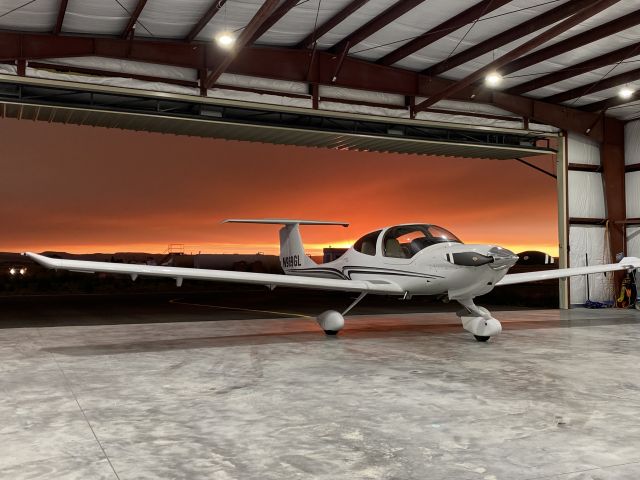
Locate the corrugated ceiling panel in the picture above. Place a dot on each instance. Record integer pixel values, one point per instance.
(97, 16)
(300, 20)
(37, 16)
(170, 19)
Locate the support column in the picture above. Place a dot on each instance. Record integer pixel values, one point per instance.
(562, 173)
(613, 172)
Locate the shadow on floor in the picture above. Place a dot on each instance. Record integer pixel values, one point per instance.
(354, 332)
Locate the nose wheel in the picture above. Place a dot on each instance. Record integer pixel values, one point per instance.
(478, 320)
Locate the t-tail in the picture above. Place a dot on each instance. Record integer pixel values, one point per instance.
(292, 255)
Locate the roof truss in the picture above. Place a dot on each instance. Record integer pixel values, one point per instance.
(504, 38)
(603, 60)
(605, 83)
(273, 19)
(292, 65)
(215, 7)
(261, 16)
(577, 41)
(436, 33)
(518, 52)
(330, 24)
(62, 9)
(603, 105)
(131, 25)
(372, 26)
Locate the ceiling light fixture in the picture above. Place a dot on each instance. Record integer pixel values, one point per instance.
(493, 79)
(626, 93)
(225, 39)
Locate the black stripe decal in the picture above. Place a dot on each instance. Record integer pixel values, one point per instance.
(349, 269)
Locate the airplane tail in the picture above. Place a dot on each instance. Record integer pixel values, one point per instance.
(292, 255)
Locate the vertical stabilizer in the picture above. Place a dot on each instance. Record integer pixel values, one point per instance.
(292, 254)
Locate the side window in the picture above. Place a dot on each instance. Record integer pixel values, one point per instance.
(403, 242)
(367, 244)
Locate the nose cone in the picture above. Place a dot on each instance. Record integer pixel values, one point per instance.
(502, 258)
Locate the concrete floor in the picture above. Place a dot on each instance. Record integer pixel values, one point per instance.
(556, 396)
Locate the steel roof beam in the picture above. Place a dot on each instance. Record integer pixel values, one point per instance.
(609, 82)
(608, 103)
(572, 43)
(261, 16)
(436, 33)
(504, 38)
(518, 52)
(290, 65)
(330, 24)
(215, 7)
(62, 9)
(131, 25)
(380, 21)
(580, 68)
(273, 19)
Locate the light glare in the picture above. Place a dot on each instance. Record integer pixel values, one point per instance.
(225, 40)
(626, 93)
(493, 79)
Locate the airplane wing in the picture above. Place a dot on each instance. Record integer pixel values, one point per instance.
(627, 263)
(177, 273)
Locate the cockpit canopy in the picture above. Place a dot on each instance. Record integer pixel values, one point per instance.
(404, 241)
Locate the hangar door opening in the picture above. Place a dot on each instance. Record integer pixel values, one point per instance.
(140, 191)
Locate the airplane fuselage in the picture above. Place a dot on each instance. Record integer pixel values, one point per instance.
(435, 270)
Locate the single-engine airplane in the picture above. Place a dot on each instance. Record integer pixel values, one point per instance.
(402, 260)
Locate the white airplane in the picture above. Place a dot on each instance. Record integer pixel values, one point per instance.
(402, 260)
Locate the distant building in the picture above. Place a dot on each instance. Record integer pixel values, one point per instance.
(330, 254)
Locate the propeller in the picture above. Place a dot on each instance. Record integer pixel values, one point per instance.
(499, 258)
(470, 259)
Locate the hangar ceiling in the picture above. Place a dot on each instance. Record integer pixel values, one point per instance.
(428, 53)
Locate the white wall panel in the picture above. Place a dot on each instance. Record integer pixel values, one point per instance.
(632, 193)
(633, 242)
(632, 142)
(263, 83)
(361, 95)
(582, 149)
(127, 66)
(591, 240)
(586, 195)
(113, 82)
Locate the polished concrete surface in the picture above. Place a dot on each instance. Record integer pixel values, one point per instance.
(556, 396)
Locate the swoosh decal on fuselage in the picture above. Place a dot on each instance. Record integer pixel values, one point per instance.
(346, 272)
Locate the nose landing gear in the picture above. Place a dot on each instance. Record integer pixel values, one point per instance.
(478, 320)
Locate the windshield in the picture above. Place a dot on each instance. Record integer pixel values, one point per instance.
(405, 241)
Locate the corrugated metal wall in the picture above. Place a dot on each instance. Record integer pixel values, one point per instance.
(587, 242)
(632, 184)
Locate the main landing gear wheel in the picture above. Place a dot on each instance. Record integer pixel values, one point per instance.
(481, 338)
(331, 322)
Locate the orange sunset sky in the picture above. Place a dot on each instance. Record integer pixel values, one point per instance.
(88, 189)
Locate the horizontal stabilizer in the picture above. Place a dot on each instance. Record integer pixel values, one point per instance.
(283, 221)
